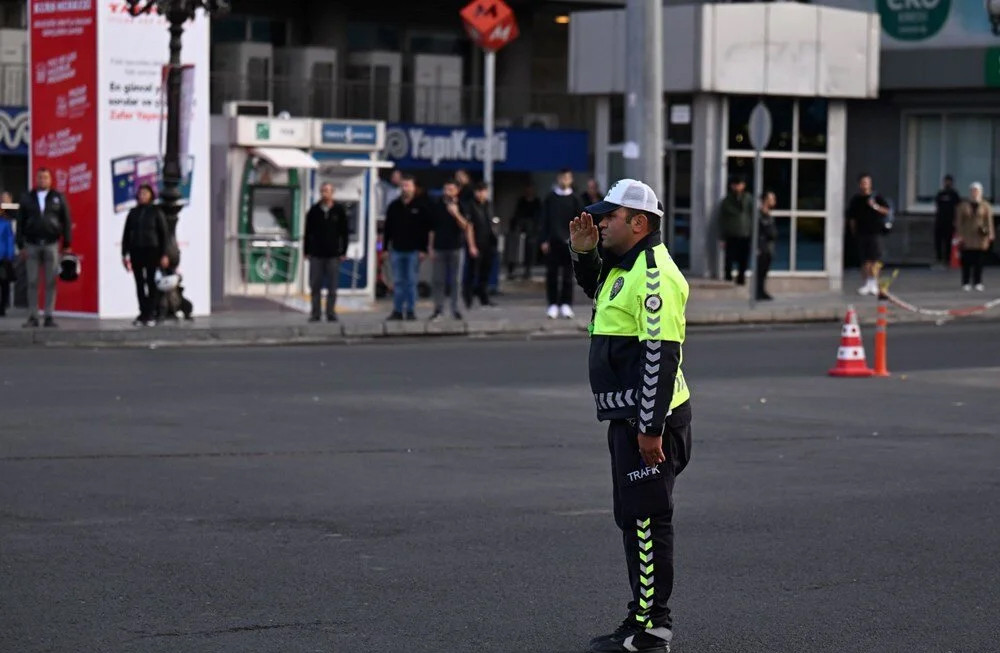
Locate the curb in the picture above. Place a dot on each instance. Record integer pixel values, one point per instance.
(366, 332)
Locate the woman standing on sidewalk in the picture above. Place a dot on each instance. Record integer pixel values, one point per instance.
(144, 247)
(974, 227)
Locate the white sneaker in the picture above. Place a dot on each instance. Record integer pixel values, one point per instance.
(967, 288)
(980, 287)
(865, 290)
(553, 312)
(567, 311)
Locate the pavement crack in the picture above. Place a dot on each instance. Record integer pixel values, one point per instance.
(280, 454)
(142, 634)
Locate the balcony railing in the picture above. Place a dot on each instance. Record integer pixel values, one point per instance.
(405, 103)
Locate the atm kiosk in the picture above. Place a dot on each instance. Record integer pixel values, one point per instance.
(275, 167)
(347, 154)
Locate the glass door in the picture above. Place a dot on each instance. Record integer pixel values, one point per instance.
(677, 207)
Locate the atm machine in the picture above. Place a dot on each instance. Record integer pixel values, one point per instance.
(267, 190)
(346, 152)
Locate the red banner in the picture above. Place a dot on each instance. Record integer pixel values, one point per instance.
(64, 126)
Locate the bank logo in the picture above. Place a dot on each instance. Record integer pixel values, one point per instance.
(913, 20)
(263, 131)
(437, 146)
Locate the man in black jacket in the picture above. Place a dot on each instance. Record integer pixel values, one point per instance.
(945, 203)
(558, 209)
(482, 249)
(404, 236)
(43, 220)
(325, 243)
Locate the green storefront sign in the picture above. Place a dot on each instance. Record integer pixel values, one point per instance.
(992, 68)
(913, 20)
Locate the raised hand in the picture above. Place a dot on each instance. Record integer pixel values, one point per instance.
(583, 233)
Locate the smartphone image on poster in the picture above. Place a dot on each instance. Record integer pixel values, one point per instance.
(123, 182)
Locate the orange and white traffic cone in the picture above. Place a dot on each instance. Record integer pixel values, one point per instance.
(851, 353)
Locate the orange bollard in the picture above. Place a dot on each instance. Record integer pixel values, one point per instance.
(881, 323)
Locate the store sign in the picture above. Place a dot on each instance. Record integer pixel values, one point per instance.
(278, 132)
(348, 135)
(913, 20)
(425, 146)
(992, 68)
(13, 130)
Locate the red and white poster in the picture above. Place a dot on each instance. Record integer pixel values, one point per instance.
(98, 118)
(64, 127)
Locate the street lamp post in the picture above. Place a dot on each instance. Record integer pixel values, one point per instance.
(177, 12)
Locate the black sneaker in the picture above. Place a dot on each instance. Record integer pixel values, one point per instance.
(411, 316)
(625, 628)
(332, 317)
(314, 318)
(31, 323)
(457, 315)
(394, 316)
(435, 317)
(645, 640)
(50, 323)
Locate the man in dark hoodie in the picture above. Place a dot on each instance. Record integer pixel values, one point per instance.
(560, 207)
(735, 227)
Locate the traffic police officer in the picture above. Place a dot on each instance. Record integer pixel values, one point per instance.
(635, 374)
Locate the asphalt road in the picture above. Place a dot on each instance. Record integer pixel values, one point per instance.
(454, 496)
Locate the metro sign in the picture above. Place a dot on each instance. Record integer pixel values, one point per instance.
(490, 23)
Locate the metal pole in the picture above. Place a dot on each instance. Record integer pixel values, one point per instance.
(644, 93)
(489, 106)
(758, 190)
(171, 159)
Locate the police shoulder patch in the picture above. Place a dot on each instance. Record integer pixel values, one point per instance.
(617, 287)
(653, 303)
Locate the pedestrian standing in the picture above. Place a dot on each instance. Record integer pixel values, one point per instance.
(945, 203)
(767, 234)
(866, 215)
(735, 227)
(448, 235)
(144, 248)
(974, 227)
(7, 253)
(593, 194)
(637, 333)
(523, 223)
(465, 187)
(325, 244)
(389, 190)
(405, 237)
(482, 249)
(560, 206)
(43, 228)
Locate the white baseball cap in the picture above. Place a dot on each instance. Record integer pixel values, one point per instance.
(629, 193)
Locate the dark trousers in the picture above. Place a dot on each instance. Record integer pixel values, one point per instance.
(943, 232)
(644, 509)
(146, 291)
(763, 267)
(477, 277)
(737, 253)
(515, 252)
(559, 279)
(324, 271)
(4, 295)
(972, 266)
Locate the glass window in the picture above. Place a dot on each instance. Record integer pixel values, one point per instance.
(777, 177)
(812, 185)
(739, 117)
(781, 124)
(927, 142)
(229, 29)
(682, 180)
(812, 125)
(969, 150)
(362, 37)
(782, 245)
(810, 241)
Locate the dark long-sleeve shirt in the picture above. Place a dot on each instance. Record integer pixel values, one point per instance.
(145, 233)
(557, 212)
(406, 226)
(326, 234)
(946, 201)
(43, 225)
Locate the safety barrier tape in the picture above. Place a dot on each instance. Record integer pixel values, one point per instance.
(942, 312)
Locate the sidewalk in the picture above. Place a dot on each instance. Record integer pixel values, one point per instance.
(521, 313)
